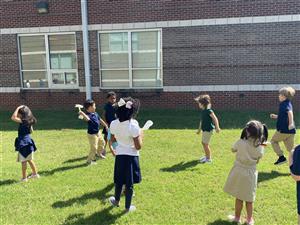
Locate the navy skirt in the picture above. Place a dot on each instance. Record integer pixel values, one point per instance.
(127, 170)
(25, 145)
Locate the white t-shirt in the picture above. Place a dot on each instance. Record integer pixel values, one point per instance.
(124, 133)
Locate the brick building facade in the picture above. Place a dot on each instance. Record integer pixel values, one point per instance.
(163, 52)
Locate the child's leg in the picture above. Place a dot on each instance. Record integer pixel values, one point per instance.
(118, 191)
(24, 168)
(238, 208)
(33, 167)
(289, 142)
(206, 150)
(101, 145)
(128, 196)
(93, 147)
(249, 208)
(277, 137)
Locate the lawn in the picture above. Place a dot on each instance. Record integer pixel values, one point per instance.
(176, 189)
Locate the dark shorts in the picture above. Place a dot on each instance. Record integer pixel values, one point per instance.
(127, 170)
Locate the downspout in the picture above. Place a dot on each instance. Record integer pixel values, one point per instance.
(86, 51)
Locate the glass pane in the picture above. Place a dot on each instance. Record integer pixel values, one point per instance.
(114, 50)
(146, 78)
(58, 78)
(33, 62)
(63, 61)
(62, 42)
(71, 78)
(115, 78)
(35, 79)
(32, 43)
(144, 49)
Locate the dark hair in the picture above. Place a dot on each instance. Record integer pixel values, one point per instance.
(109, 94)
(203, 100)
(26, 116)
(124, 113)
(88, 103)
(256, 130)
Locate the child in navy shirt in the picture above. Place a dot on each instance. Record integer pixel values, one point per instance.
(23, 143)
(285, 124)
(109, 112)
(95, 138)
(295, 172)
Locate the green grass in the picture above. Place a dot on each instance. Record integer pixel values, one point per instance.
(175, 188)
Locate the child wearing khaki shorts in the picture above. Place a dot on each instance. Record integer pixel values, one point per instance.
(285, 126)
(208, 123)
(95, 138)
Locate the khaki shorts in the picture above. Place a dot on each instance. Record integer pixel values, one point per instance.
(206, 136)
(21, 158)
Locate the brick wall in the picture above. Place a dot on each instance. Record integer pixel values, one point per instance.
(9, 62)
(22, 13)
(261, 101)
(232, 54)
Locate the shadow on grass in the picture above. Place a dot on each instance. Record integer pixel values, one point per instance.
(221, 222)
(180, 166)
(7, 182)
(61, 169)
(102, 195)
(99, 218)
(265, 176)
(75, 160)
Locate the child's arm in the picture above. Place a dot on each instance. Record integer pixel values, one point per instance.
(138, 141)
(103, 123)
(216, 122)
(85, 117)
(291, 120)
(273, 116)
(112, 140)
(15, 117)
(199, 128)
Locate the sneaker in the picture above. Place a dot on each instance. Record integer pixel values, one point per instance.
(113, 201)
(280, 160)
(234, 219)
(250, 222)
(132, 208)
(91, 163)
(202, 159)
(32, 176)
(208, 161)
(23, 180)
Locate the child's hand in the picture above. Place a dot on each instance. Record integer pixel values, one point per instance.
(113, 152)
(273, 116)
(218, 129)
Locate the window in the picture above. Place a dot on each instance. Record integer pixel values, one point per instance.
(130, 64)
(48, 61)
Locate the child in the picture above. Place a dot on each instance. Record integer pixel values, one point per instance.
(242, 180)
(95, 138)
(109, 113)
(23, 143)
(208, 123)
(126, 131)
(285, 124)
(295, 172)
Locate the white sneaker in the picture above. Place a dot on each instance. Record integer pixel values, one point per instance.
(91, 163)
(233, 219)
(202, 159)
(23, 180)
(251, 222)
(132, 208)
(113, 201)
(208, 161)
(32, 176)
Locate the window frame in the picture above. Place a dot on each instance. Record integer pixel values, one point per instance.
(130, 69)
(48, 69)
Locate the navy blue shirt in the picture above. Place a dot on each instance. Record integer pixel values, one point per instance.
(110, 113)
(93, 123)
(283, 119)
(295, 169)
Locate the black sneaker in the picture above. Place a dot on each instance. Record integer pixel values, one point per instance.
(280, 160)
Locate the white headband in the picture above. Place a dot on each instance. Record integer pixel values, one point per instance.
(128, 104)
